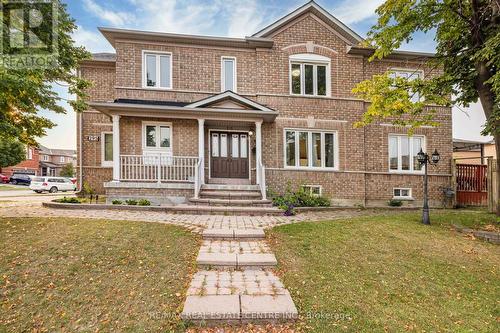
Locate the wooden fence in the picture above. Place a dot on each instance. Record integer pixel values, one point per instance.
(493, 195)
(472, 184)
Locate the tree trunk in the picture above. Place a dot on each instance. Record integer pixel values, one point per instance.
(487, 100)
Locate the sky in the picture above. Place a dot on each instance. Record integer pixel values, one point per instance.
(232, 18)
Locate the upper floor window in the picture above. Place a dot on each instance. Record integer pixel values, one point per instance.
(29, 153)
(61, 159)
(228, 74)
(403, 152)
(311, 149)
(410, 75)
(45, 157)
(157, 70)
(309, 75)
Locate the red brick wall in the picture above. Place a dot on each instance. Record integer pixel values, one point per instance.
(263, 75)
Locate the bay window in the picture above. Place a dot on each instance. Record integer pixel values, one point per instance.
(403, 152)
(311, 149)
(157, 70)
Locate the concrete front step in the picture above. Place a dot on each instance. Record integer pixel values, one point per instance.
(235, 261)
(230, 187)
(239, 308)
(236, 195)
(236, 234)
(231, 202)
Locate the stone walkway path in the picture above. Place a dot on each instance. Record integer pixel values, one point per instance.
(236, 283)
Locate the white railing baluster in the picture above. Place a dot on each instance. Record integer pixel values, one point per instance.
(159, 168)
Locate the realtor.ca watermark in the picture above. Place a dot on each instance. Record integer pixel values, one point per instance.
(28, 33)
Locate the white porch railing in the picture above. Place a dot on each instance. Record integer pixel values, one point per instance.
(158, 168)
(261, 171)
(198, 179)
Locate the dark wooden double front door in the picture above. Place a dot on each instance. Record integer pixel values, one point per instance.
(229, 154)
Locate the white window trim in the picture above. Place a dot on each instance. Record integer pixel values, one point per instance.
(311, 187)
(399, 135)
(410, 193)
(45, 158)
(310, 59)
(103, 143)
(62, 159)
(410, 71)
(222, 74)
(309, 149)
(158, 79)
(156, 149)
(29, 153)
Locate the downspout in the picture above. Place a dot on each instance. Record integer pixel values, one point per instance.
(80, 136)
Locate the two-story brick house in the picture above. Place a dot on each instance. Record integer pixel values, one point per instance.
(170, 115)
(53, 160)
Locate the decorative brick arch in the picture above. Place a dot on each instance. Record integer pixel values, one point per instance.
(310, 47)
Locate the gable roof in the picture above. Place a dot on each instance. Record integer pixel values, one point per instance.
(229, 95)
(56, 152)
(312, 7)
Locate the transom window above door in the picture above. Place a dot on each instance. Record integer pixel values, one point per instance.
(309, 75)
(157, 136)
(311, 149)
(157, 70)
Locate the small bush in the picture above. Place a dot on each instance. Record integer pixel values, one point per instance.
(117, 202)
(144, 202)
(87, 189)
(300, 198)
(131, 202)
(71, 200)
(395, 203)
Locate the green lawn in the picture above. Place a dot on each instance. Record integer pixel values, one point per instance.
(93, 275)
(391, 274)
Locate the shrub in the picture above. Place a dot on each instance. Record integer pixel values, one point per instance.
(300, 198)
(131, 202)
(87, 189)
(144, 202)
(117, 202)
(71, 200)
(395, 203)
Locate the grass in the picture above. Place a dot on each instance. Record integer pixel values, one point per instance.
(391, 274)
(12, 188)
(72, 275)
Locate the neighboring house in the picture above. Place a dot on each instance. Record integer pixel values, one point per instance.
(29, 166)
(274, 110)
(52, 160)
(473, 152)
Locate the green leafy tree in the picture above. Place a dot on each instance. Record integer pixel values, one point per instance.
(25, 91)
(12, 152)
(67, 170)
(464, 69)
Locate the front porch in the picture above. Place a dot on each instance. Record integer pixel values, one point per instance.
(214, 141)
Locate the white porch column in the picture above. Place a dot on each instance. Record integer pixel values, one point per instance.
(116, 148)
(258, 148)
(201, 148)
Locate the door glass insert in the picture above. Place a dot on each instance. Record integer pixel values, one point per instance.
(150, 136)
(215, 145)
(223, 145)
(165, 136)
(235, 146)
(244, 146)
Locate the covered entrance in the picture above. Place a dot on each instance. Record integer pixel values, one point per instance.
(229, 156)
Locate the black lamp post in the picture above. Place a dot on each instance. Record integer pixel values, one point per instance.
(424, 160)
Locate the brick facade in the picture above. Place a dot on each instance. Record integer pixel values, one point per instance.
(363, 175)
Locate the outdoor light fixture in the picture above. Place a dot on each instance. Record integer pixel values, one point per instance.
(425, 160)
